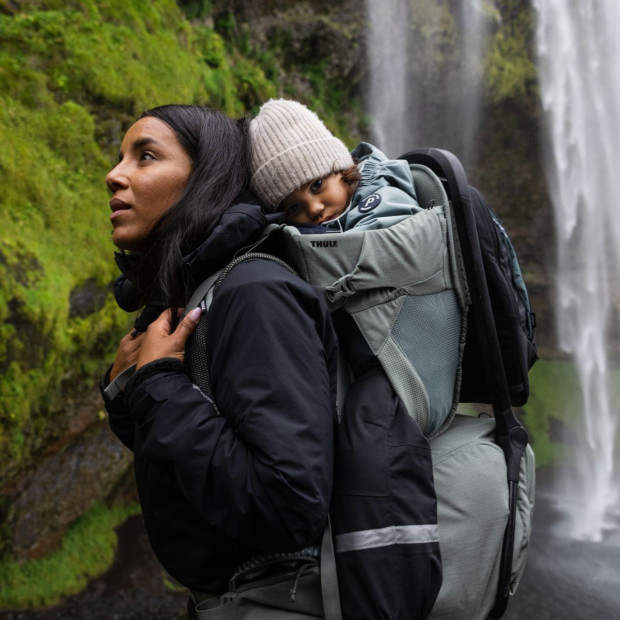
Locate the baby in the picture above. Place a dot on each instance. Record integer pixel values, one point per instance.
(301, 168)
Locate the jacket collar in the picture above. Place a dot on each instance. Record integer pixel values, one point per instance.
(239, 227)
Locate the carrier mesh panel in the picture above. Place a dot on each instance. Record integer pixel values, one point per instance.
(428, 331)
(407, 384)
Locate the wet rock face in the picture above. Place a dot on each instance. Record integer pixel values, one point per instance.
(327, 36)
(89, 298)
(135, 586)
(62, 487)
(81, 463)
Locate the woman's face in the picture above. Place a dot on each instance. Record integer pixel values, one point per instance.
(150, 176)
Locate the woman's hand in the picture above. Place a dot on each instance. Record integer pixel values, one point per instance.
(160, 341)
(127, 353)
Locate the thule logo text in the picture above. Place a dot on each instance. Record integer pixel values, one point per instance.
(324, 244)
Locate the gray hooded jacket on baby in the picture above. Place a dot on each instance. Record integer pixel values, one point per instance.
(384, 196)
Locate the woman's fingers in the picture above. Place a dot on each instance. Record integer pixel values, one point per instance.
(188, 325)
(127, 353)
(161, 342)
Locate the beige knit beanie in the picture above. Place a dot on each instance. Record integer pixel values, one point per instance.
(291, 147)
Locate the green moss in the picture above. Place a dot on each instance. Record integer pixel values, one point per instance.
(555, 400)
(510, 71)
(294, 62)
(52, 234)
(87, 551)
(73, 75)
(555, 408)
(236, 83)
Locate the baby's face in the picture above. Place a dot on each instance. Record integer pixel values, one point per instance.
(319, 201)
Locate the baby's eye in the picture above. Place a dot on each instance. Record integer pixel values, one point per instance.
(316, 185)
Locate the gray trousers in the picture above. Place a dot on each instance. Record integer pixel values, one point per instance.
(292, 594)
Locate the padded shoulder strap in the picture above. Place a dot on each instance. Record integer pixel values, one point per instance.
(204, 291)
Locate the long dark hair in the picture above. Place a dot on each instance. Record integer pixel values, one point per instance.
(218, 148)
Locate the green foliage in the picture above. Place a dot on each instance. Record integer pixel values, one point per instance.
(554, 412)
(131, 54)
(293, 62)
(510, 68)
(237, 83)
(87, 550)
(555, 403)
(195, 9)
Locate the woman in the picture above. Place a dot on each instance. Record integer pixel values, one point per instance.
(250, 472)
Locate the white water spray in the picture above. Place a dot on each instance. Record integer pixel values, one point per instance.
(473, 37)
(579, 60)
(389, 77)
(418, 93)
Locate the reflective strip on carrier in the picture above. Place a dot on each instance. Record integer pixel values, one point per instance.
(386, 536)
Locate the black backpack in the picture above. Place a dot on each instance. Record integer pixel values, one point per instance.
(511, 310)
(514, 319)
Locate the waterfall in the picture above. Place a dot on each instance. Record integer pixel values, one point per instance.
(420, 94)
(579, 59)
(387, 57)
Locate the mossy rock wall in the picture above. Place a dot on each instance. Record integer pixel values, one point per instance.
(73, 76)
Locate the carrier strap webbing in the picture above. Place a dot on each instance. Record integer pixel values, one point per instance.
(329, 578)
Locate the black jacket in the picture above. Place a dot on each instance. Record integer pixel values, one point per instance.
(252, 472)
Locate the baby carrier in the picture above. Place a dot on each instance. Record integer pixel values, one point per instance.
(417, 296)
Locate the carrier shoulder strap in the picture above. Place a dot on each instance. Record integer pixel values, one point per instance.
(329, 577)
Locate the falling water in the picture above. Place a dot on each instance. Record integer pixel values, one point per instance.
(387, 55)
(420, 94)
(579, 60)
(473, 37)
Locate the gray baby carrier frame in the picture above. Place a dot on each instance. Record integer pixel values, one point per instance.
(411, 290)
(404, 288)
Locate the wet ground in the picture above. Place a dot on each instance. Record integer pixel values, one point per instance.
(570, 580)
